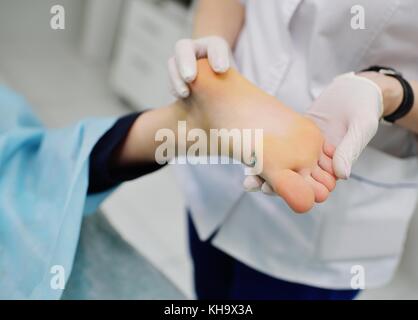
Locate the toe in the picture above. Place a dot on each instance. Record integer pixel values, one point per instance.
(324, 178)
(321, 193)
(329, 149)
(294, 189)
(325, 162)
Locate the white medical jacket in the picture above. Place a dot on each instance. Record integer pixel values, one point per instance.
(293, 49)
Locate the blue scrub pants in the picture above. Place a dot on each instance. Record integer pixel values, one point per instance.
(219, 276)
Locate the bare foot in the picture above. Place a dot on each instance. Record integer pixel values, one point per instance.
(295, 162)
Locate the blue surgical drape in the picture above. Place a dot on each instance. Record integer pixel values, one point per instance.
(43, 196)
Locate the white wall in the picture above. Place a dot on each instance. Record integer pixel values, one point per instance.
(23, 21)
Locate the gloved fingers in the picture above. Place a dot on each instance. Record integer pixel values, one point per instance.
(219, 55)
(358, 135)
(185, 57)
(346, 152)
(253, 183)
(183, 66)
(201, 47)
(267, 189)
(178, 87)
(256, 183)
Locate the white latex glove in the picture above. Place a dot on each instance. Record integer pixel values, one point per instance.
(348, 112)
(182, 66)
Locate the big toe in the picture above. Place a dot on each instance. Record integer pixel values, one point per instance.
(294, 189)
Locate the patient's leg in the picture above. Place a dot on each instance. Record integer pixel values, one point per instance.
(293, 145)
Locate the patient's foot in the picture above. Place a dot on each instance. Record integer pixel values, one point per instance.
(293, 145)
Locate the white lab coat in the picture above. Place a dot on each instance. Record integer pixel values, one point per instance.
(293, 49)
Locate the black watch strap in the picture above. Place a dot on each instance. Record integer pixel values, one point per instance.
(408, 93)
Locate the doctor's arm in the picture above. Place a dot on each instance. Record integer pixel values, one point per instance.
(349, 111)
(223, 18)
(351, 107)
(217, 25)
(392, 97)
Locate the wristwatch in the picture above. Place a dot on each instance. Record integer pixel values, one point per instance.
(408, 93)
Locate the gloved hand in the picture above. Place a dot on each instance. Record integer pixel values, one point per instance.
(348, 113)
(183, 65)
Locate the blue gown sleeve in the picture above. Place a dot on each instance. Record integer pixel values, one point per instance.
(43, 195)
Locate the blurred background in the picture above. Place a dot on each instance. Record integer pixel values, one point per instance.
(111, 60)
